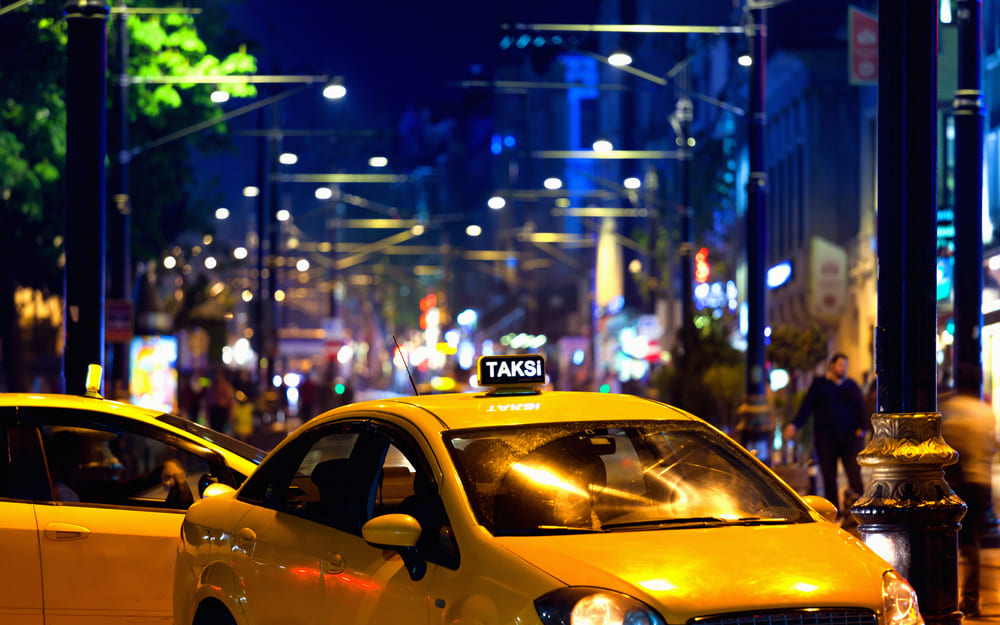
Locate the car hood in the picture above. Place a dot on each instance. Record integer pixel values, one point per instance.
(686, 573)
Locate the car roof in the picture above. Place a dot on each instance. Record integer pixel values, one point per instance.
(245, 462)
(453, 411)
(79, 402)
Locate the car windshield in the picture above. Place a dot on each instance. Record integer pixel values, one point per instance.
(615, 476)
(228, 443)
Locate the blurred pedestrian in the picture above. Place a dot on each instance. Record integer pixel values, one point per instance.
(191, 392)
(967, 425)
(219, 399)
(835, 403)
(308, 391)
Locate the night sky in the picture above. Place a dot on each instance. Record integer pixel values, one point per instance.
(392, 55)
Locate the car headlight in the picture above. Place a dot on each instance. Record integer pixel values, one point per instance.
(900, 601)
(593, 606)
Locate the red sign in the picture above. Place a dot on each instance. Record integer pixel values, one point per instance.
(117, 321)
(331, 347)
(862, 48)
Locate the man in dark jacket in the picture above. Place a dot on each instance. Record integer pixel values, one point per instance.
(838, 409)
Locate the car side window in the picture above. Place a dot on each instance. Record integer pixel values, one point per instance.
(404, 485)
(93, 465)
(325, 485)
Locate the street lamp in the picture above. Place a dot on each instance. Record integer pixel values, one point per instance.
(619, 59)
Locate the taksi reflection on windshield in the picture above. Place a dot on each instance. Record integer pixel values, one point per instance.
(623, 475)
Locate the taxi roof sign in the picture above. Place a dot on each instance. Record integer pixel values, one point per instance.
(512, 372)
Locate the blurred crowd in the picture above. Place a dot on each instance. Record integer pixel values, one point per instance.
(230, 402)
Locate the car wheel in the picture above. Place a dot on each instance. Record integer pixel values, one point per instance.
(213, 613)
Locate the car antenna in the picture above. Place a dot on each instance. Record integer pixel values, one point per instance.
(405, 366)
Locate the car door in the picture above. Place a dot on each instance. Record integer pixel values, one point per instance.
(307, 545)
(278, 559)
(374, 584)
(22, 480)
(108, 536)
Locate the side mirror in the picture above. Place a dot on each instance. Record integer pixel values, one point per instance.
(392, 530)
(823, 506)
(206, 480)
(217, 489)
(400, 532)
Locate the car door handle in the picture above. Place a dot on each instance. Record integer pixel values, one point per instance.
(66, 531)
(245, 538)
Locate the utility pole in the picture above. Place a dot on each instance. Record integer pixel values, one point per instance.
(756, 421)
(86, 96)
(261, 297)
(121, 218)
(653, 288)
(681, 120)
(274, 245)
(908, 513)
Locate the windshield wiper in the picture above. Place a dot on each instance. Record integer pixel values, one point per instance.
(550, 529)
(702, 521)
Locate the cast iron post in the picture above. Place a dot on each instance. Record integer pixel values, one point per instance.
(756, 421)
(908, 513)
(968, 270)
(968, 273)
(86, 69)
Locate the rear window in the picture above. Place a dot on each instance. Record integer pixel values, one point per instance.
(224, 441)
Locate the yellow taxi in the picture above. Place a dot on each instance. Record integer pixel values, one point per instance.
(92, 495)
(518, 506)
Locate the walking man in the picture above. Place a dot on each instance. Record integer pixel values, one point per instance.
(838, 409)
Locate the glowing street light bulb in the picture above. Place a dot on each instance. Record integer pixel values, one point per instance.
(251, 191)
(210, 262)
(552, 184)
(221, 213)
(240, 253)
(219, 96)
(247, 295)
(334, 92)
(632, 183)
(473, 230)
(620, 59)
(603, 145)
(288, 158)
(302, 264)
(745, 60)
(283, 215)
(324, 193)
(378, 161)
(496, 202)
(169, 262)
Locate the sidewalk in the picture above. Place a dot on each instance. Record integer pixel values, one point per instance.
(989, 591)
(989, 584)
(989, 587)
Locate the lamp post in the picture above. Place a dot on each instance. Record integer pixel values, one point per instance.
(86, 68)
(908, 513)
(756, 420)
(681, 119)
(968, 273)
